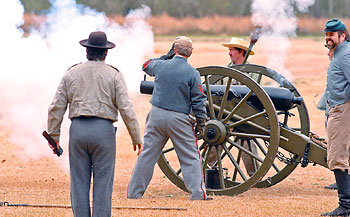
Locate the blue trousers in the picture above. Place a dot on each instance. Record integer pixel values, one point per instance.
(91, 152)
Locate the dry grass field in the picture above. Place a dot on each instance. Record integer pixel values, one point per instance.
(43, 181)
(209, 25)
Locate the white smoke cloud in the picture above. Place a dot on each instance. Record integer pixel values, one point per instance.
(34, 65)
(278, 21)
(304, 5)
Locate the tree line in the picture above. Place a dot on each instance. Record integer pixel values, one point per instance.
(192, 8)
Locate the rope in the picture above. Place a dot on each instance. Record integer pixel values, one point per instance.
(67, 206)
(318, 140)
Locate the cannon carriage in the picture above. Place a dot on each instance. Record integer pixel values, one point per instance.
(271, 118)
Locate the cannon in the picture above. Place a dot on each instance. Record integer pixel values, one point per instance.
(271, 116)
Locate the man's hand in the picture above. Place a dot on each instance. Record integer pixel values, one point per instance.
(140, 147)
(170, 54)
(53, 149)
(54, 145)
(199, 127)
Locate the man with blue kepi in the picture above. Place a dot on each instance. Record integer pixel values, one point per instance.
(338, 98)
(177, 90)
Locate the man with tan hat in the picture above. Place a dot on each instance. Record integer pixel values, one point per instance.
(177, 91)
(96, 93)
(237, 50)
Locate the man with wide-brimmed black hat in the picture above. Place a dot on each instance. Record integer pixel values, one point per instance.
(95, 93)
(338, 98)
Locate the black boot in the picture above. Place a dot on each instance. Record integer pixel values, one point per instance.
(343, 181)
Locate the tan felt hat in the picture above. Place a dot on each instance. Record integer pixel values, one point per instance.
(238, 43)
(183, 40)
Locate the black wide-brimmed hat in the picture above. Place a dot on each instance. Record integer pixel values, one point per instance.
(97, 40)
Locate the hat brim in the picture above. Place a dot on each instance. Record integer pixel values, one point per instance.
(330, 30)
(108, 45)
(238, 46)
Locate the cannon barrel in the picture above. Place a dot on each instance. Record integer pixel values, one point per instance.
(282, 98)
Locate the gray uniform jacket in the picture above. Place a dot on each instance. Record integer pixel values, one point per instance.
(338, 76)
(94, 89)
(177, 86)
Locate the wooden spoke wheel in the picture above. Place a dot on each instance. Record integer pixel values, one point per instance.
(232, 123)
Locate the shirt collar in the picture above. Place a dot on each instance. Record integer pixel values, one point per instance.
(181, 57)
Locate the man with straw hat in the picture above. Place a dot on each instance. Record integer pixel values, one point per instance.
(95, 93)
(177, 90)
(238, 48)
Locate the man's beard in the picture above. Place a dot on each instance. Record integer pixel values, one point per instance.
(331, 45)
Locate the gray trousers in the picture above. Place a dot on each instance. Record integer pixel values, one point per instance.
(160, 126)
(91, 151)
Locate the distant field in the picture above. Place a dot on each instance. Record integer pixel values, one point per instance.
(211, 25)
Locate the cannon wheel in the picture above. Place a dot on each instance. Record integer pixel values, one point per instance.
(301, 124)
(225, 119)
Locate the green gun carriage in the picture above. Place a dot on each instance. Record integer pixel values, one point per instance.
(271, 116)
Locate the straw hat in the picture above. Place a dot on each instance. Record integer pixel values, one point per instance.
(238, 43)
(97, 40)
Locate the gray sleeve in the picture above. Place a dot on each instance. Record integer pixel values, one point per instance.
(126, 109)
(198, 97)
(322, 104)
(149, 66)
(345, 65)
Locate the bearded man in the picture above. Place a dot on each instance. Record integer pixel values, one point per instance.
(338, 99)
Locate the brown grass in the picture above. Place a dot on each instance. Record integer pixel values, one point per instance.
(42, 181)
(210, 25)
(213, 25)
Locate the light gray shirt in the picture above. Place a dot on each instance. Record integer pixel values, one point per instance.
(338, 76)
(94, 89)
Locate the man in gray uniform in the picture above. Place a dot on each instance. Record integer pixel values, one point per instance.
(338, 98)
(95, 93)
(177, 91)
